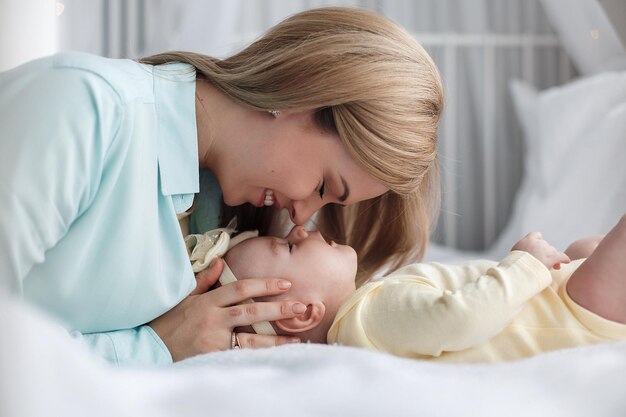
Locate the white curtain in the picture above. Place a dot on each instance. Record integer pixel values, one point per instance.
(27, 30)
(479, 46)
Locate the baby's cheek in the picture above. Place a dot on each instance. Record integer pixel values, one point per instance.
(235, 262)
(269, 298)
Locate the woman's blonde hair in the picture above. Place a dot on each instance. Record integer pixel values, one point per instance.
(372, 83)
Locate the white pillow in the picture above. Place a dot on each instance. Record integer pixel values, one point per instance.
(575, 162)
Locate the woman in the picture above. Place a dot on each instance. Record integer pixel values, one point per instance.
(99, 156)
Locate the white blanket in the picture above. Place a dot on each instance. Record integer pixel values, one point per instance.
(45, 373)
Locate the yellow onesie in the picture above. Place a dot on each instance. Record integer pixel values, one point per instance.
(481, 311)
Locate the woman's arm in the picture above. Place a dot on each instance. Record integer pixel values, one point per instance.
(140, 346)
(56, 126)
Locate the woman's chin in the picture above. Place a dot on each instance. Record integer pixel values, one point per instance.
(233, 201)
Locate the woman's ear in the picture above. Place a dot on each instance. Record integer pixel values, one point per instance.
(306, 321)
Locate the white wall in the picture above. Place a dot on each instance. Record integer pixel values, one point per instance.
(27, 30)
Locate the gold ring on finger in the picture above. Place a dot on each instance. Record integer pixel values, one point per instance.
(234, 341)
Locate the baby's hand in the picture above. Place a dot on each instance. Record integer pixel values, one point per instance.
(534, 244)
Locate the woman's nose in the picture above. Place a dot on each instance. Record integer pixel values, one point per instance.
(302, 210)
(297, 234)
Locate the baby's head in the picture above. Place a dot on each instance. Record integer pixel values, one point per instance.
(321, 274)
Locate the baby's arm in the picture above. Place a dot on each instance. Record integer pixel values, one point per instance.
(426, 309)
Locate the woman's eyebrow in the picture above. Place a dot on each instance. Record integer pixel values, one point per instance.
(346, 190)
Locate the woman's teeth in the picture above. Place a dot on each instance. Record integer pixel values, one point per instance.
(269, 198)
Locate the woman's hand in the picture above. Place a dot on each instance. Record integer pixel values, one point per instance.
(203, 322)
(534, 244)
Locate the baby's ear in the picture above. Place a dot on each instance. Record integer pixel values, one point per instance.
(306, 321)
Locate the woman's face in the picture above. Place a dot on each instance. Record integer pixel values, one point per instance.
(302, 165)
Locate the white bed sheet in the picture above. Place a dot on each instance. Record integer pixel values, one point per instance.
(43, 372)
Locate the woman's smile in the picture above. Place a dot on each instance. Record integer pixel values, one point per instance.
(267, 198)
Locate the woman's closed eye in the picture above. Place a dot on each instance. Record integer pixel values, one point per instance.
(321, 189)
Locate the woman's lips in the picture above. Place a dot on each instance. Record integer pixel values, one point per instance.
(261, 199)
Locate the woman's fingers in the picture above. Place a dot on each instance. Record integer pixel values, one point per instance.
(257, 341)
(247, 314)
(206, 278)
(204, 322)
(236, 292)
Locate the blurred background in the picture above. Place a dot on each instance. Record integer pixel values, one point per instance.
(480, 46)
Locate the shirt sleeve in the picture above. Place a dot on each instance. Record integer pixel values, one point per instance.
(140, 346)
(57, 126)
(427, 309)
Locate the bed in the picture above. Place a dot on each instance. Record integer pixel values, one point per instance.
(44, 372)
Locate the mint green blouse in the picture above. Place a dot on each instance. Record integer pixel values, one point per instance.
(97, 156)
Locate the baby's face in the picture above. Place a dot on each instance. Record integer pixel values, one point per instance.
(317, 269)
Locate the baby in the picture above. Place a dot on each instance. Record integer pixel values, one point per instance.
(476, 312)
(321, 273)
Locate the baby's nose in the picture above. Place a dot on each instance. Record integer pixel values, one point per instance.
(297, 234)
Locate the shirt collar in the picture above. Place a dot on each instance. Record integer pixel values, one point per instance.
(177, 136)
